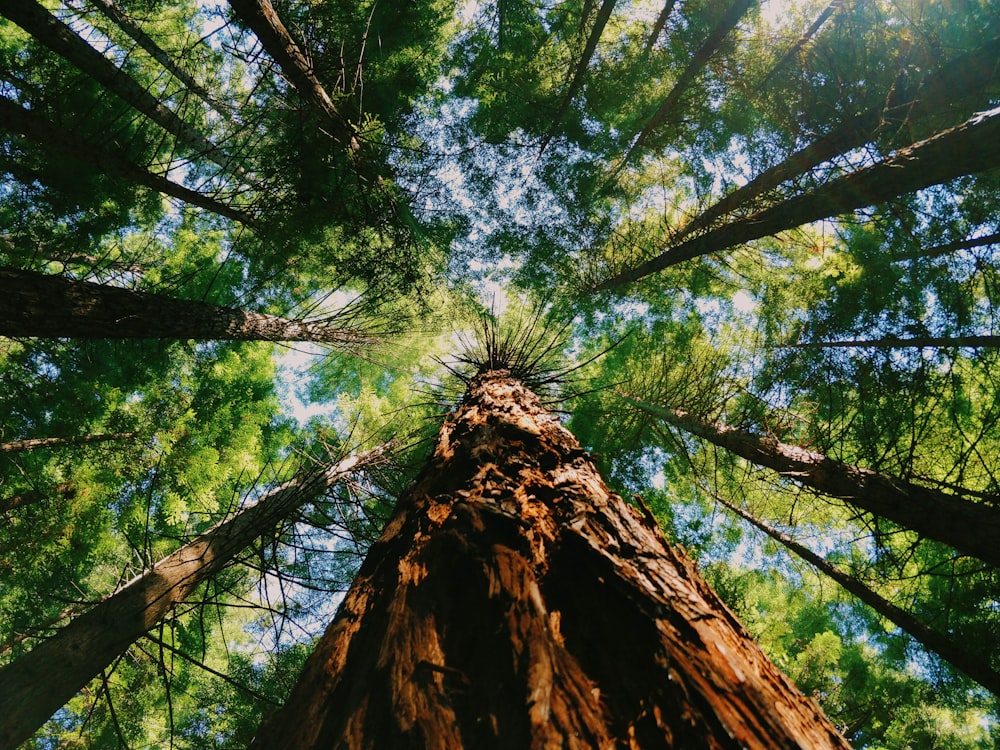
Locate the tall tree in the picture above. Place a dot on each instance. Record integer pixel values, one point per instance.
(514, 600)
(38, 683)
(35, 304)
(970, 527)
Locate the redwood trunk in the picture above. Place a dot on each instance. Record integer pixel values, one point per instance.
(945, 646)
(969, 527)
(37, 684)
(39, 305)
(969, 148)
(514, 601)
(30, 444)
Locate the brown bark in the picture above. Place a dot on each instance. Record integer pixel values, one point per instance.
(36, 128)
(892, 342)
(61, 39)
(962, 78)
(38, 305)
(969, 527)
(973, 146)
(38, 683)
(30, 444)
(973, 665)
(263, 21)
(514, 601)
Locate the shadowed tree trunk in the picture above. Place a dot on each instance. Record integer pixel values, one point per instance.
(514, 601)
(969, 148)
(43, 132)
(39, 305)
(893, 342)
(941, 91)
(971, 528)
(66, 490)
(38, 683)
(973, 665)
(699, 60)
(659, 25)
(30, 444)
(61, 39)
(262, 19)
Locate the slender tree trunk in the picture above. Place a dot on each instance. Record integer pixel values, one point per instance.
(11, 502)
(38, 683)
(699, 60)
(971, 528)
(973, 146)
(36, 128)
(263, 20)
(659, 25)
(893, 342)
(964, 77)
(973, 665)
(950, 247)
(118, 17)
(603, 16)
(803, 40)
(39, 305)
(61, 39)
(514, 601)
(30, 444)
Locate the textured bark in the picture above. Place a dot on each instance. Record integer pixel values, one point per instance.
(38, 683)
(263, 20)
(973, 665)
(38, 305)
(892, 342)
(37, 129)
(514, 601)
(61, 39)
(30, 444)
(969, 148)
(963, 78)
(971, 528)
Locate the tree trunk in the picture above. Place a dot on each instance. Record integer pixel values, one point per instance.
(30, 444)
(971, 528)
(36, 128)
(115, 14)
(973, 665)
(697, 63)
(61, 39)
(659, 25)
(263, 21)
(893, 342)
(964, 77)
(39, 305)
(973, 146)
(11, 502)
(580, 73)
(514, 601)
(801, 42)
(950, 247)
(38, 683)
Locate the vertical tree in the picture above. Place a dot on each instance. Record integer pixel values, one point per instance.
(513, 600)
(39, 682)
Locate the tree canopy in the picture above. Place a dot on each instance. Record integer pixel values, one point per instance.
(749, 249)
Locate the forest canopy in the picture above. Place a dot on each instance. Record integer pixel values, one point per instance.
(252, 251)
